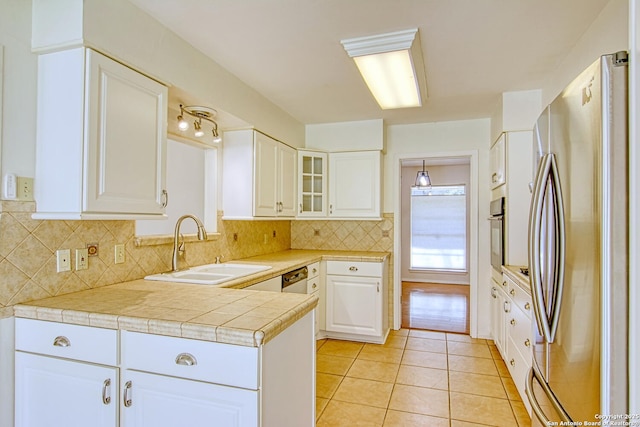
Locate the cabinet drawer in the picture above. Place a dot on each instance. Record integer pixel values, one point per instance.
(518, 367)
(354, 268)
(520, 331)
(212, 362)
(96, 345)
(314, 270)
(313, 285)
(519, 296)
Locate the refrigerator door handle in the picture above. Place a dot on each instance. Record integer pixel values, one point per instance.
(547, 173)
(535, 406)
(558, 287)
(535, 228)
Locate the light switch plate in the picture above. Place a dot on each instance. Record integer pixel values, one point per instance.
(63, 260)
(82, 259)
(119, 253)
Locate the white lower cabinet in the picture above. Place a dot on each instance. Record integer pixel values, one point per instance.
(152, 400)
(161, 381)
(61, 375)
(356, 300)
(53, 392)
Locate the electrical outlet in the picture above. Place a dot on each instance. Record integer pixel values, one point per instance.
(82, 259)
(10, 186)
(119, 253)
(63, 260)
(25, 188)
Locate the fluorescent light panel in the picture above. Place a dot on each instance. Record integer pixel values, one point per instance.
(387, 66)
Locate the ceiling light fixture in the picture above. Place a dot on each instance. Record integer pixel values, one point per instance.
(200, 114)
(392, 67)
(422, 179)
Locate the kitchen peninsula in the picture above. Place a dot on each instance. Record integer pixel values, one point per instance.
(140, 352)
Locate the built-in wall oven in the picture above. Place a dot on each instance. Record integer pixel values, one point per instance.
(497, 233)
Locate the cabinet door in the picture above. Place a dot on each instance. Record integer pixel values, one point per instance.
(155, 400)
(498, 159)
(265, 175)
(354, 184)
(354, 305)
(498, 317)
(54, 392)
(124, 168)
(312, 184)
(287, 163)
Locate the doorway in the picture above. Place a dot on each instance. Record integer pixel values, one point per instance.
(435, 242)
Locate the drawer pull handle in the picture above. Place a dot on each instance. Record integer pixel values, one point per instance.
(127, 394)
(527, 306)
(353, 268)
(504, 284)
(186, 359)
(513, 322)
(106, 391)
(512, 362)
(512, 292)
(507, 307)
(527, 343)
(314, 271)
(62, 341)
(314, 286)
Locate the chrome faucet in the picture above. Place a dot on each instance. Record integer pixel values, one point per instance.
(178, 247)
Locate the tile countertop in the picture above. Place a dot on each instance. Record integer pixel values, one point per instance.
(516, 275)
(221, 314)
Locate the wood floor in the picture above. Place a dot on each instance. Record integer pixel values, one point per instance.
(435, 307)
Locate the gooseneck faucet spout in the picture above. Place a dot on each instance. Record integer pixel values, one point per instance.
(178, 247)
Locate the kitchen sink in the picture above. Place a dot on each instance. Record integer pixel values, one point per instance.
(209, 274)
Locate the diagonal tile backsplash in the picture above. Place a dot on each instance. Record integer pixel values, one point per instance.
(28, 251)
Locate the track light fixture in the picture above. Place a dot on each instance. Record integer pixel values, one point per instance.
(200, 114)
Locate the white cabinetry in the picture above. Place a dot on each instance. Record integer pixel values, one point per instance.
(355, 184)
(176, 381)
(497, 161)
(101, 139)
(356, 300)
(516, 150)
(259, 176)
(513, 330)
(63, 377)
(312, 184)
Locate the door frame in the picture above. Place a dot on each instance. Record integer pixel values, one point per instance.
(472, 155)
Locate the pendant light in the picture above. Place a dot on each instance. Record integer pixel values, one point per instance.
(422, 178)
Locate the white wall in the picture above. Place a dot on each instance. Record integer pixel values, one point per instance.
(607, 34)
(445, 139)
(19, 89)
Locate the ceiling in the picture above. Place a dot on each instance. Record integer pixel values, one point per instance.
(290, 51)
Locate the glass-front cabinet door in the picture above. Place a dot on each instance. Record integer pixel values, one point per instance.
(312, 184)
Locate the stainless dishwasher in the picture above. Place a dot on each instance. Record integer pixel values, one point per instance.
(295, 281)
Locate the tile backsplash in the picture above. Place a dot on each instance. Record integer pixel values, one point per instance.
(28, 251)
(28, 248)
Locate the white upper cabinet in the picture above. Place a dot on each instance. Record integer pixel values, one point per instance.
(101, 139)
(355, 184)
(259, 176)
(497, 161)
(312, 184)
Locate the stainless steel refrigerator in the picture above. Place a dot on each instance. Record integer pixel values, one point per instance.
(578, 251)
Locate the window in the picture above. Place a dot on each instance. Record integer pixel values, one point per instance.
(439, 228)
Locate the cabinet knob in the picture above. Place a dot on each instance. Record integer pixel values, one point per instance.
(106, 391)
(527, 343)
(314, 286)
(512, 292)
(513, 322)
(527, 306)
(186, 359)
(353, 268)
(61, 341)
(314, 271)
(126, 396)
(504, 284)
(512, 362)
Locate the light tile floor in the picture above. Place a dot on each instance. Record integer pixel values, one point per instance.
(417, 378)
